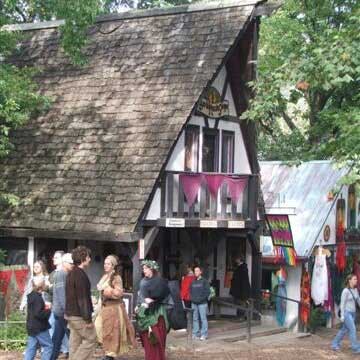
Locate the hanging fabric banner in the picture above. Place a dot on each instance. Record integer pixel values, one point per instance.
(214, 181)
(236, 187)
(280, 230)
(282, 294)
(191, 185)
(21, 276)
(305, 298)
(281, 235)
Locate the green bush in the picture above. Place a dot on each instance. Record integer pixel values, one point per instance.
(317, 319)
(15, 331)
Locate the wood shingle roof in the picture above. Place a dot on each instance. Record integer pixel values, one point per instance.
(91, 162)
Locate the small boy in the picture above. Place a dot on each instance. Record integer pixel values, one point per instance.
(199, 295)
(37, 323)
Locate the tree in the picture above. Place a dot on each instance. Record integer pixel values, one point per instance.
(307, 101)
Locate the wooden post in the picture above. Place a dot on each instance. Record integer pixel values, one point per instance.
(189, 319)
(250, 310)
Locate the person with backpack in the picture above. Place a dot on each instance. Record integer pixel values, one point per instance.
(151, 315)
(37, 323)
(349, 300)
(199, 295)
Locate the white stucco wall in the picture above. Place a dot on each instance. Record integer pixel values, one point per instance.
(293, 292)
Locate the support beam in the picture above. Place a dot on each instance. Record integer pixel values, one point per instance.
(31, 253)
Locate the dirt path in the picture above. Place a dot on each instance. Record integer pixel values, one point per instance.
(283, 347)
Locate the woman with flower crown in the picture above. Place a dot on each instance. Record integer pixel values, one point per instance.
(151, 315)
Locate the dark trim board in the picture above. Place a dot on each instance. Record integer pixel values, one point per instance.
(69, 235)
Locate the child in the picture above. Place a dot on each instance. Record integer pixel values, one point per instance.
(199, 295)
(37, 323)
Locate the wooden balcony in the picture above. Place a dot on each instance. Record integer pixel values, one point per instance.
(208, 211)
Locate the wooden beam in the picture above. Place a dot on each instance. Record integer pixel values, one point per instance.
(69, 235)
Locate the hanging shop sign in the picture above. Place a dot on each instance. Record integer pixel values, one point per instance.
(175, 222)
(212, 106)
(236, 224)
(208, 224)
(327, 233)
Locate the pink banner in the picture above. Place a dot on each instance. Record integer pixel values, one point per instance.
(214, 181)
(191, 185)
(236, 188)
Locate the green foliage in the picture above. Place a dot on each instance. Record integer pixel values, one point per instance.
(317, 319)
(13, 331)
(307, 100)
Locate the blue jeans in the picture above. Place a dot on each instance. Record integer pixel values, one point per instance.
(45, 342)
(200, 313)
(349, 327)
(65, 342)
(60, 332)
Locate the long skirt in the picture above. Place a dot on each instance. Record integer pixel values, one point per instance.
(114, 330)
(155, 351)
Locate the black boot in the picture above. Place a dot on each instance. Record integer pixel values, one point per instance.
(106, 357)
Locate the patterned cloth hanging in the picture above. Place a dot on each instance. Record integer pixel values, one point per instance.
(341, 248)
(305, 298)
(280, 301)
(282, 239)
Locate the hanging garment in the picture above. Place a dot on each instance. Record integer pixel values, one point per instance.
(329, 303)
(341, 256)
(236, 187)
(356, 271)
(280, 301)
(319, 283)
(191, 185)
(337, 280)
(214, 182)
(305, 298)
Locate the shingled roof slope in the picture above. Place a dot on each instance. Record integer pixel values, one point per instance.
(91, 162)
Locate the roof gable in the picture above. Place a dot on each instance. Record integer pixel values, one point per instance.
(91, 162)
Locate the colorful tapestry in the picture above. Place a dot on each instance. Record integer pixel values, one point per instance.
(281, 235)
(281, 298)
(280, 230)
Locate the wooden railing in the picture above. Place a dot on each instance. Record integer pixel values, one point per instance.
(174, 204)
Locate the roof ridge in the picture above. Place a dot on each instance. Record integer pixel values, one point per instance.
(137, 14)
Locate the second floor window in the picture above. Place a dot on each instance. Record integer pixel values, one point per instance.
(192, 148)
(227, 152)
(210, 150)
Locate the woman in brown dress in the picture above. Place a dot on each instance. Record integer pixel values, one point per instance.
(114, 329)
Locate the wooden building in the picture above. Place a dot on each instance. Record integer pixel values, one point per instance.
(159, 100)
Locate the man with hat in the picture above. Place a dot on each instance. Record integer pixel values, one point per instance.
(58, 306)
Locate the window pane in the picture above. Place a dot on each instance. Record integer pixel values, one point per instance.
(227, 158)
(210, 152)
(191, 148)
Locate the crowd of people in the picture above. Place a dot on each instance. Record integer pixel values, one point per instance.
(62, 321)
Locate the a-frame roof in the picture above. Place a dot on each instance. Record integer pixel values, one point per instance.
(91, 162)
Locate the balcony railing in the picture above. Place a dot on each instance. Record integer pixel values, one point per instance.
(174, 203)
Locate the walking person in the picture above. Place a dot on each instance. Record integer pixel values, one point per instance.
(240, 285)
(79, 308)
(186, 281)
(113, 327)
(58, 305)
(37, 323)
(349, 299)
(151, 314)
(199, 295)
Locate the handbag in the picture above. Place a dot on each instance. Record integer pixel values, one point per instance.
(356, 304)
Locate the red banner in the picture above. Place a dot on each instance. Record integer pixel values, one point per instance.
(5, 277)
